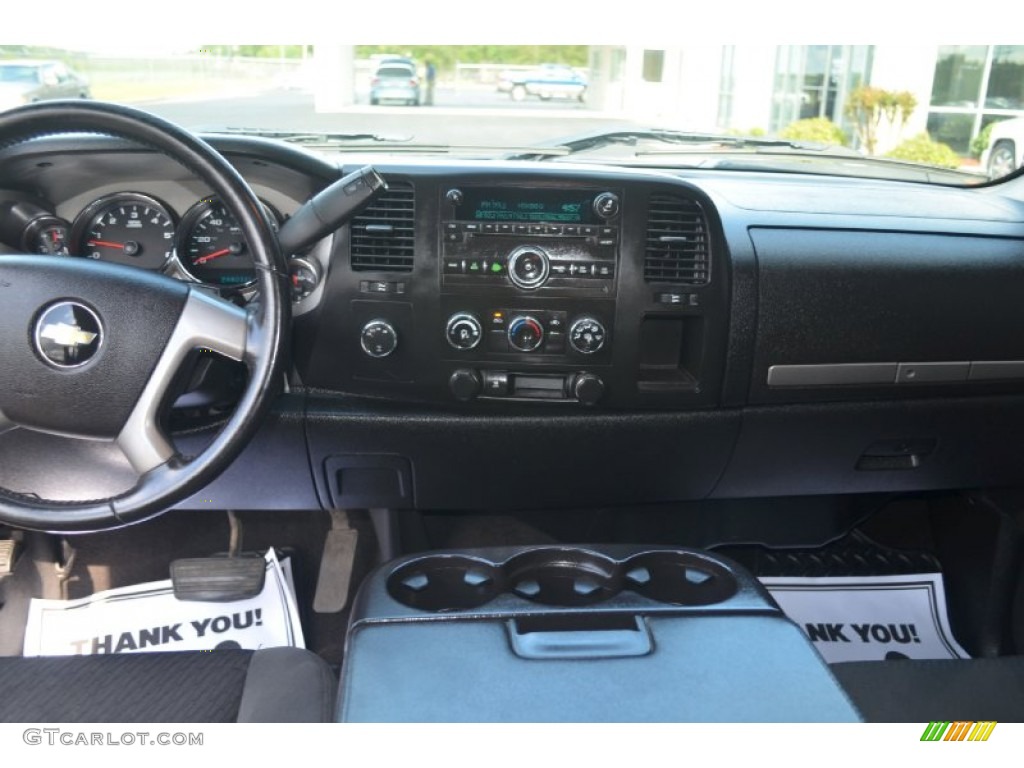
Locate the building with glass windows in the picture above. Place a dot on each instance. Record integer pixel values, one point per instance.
(959, 88)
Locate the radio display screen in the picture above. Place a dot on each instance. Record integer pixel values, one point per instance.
(555, 206)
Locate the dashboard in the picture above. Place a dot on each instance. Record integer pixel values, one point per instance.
(511, 335)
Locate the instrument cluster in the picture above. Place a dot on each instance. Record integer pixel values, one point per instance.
(204, 245)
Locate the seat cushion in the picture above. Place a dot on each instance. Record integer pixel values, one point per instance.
(906, 691)
(272, 685)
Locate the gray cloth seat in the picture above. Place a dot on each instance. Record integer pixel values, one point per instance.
(287, 685)
(906, 691)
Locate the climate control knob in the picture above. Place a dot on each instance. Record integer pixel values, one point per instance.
(528, 267)
(586, 335)
(378, 338)
(525, 333)
(463, 331)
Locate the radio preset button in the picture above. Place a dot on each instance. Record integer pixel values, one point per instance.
(525, 333)
(463, 331)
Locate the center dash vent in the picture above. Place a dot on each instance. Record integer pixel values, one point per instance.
(383, 235)
(677, 242)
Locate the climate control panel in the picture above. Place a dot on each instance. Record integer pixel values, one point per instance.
(529, 333)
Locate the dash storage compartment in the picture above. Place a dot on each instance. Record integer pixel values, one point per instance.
(574, 633)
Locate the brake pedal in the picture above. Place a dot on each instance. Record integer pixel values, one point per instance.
(221, 578)
(218, 579)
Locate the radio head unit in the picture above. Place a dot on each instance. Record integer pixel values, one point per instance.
(530, 238)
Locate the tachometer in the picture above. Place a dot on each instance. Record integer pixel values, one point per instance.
(127, 228)
(211, 247)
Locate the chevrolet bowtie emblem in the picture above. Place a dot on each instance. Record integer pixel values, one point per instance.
(66, 335)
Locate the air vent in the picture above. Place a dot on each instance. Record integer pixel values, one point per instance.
(677, 242)
(383, 234)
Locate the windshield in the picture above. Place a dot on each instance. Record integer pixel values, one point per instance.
(952, 114)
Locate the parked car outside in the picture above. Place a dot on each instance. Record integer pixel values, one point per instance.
(395, 81)
(1005, 152)
(25, 81)
(548, 81)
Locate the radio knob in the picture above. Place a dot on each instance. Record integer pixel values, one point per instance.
(525, 333)
(464, 384)
(463, 331)
(606, 205)
(586, 335)
(378, 338)
(528, 267)
(588, 388)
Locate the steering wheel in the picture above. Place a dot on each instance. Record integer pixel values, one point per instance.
(91, 349)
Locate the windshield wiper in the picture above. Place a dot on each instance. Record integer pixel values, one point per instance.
(313, 137)
(632, 137)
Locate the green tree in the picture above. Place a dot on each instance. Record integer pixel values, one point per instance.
(867, 106)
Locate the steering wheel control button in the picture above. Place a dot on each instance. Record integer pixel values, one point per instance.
(463, 331)
(606, 205)
(528, 267)
(378, 338)
(525, 333)
(68, 334)
(464, 384)
(586, 335)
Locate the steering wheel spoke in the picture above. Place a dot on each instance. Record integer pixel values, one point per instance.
(206, 324)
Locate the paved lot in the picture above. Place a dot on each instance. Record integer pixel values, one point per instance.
(474, 118)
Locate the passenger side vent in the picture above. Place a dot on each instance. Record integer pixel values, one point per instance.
(677, 242)
(383, 235)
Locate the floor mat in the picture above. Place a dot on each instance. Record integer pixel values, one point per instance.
(870, 618)
(148, 617)
(857, 600)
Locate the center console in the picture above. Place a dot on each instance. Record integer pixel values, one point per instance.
(509, 288)
(578, 634)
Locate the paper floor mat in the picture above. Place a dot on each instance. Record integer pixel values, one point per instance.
(870, 618)
(148, 617)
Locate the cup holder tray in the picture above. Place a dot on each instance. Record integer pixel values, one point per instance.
(513, 581)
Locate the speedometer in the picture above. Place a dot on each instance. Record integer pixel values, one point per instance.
(211, 247)
(127, 228)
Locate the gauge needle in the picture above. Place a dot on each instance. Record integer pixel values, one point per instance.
(106, 243)
(212, 256)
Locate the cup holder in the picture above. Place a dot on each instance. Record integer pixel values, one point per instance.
(446, 583)
(561, 577)
(679, 578)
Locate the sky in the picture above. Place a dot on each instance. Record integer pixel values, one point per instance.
(185, 24)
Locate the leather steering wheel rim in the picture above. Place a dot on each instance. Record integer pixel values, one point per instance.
(264, 331)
